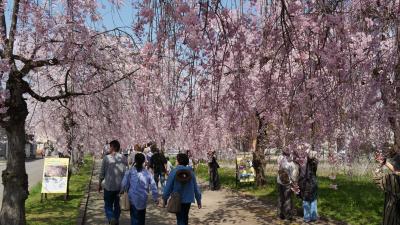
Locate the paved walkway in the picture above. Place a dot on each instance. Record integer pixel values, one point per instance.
(219, 208)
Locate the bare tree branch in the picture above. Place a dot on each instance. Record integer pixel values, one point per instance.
(31, 64)
(64, 105)
(68, 94)
(66, 79)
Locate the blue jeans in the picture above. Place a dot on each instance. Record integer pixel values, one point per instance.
(182, 218)
(160, 177)
(310, 211)
(138, 217)
(111, 205)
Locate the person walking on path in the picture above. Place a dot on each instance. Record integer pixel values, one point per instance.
(182, 180)
(390, 184)
(287, 182)
(136, 150)
(213, 167)
(148, 152)
(112, 172)
(170, 167)
(191, 163)
(137, 182)
(105, 150)
(309, 187)
(158, 163)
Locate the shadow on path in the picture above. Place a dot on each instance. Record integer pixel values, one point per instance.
(219, 208)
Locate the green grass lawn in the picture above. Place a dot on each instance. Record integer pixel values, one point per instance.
(357, 200)
(55, 210)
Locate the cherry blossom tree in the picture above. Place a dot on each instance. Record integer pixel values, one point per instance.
(62, 50)
(209, 74)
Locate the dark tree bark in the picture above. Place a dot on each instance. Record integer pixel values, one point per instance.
(390, 94)
(395, 122)
(258, 154)
(15, 179)
(68, 126)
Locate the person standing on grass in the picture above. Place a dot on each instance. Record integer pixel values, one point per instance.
(158, 163)
(390, 184)
(182, 180)
(112, 172)
(287, 177)
(309, 187)
(213, 167)
(137, 182)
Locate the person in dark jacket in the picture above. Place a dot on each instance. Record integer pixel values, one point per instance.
(213, 167)
(309, 187)
(390, 184)
(158, 163)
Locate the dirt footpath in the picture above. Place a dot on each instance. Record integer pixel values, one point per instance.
(219, 208)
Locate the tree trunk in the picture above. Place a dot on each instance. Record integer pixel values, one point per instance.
(15, 179)
(258, 154)
(395, 127)
(395, 122)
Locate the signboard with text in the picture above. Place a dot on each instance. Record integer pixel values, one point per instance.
(244, 166)
(55, 175)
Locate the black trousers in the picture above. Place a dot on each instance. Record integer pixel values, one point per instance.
(285, 202)
(182, 218)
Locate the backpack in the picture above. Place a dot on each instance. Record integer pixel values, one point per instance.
(183, 176)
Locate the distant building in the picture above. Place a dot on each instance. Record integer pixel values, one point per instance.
(172, 152)
(30, 146)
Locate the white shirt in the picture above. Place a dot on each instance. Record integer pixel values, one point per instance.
(190, 163)
(169, 166)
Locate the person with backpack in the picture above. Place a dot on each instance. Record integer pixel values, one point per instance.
(181, 190)
(137, 182)
(309, 187)
(288, 172)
